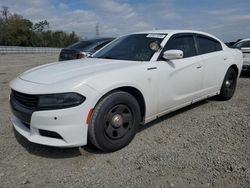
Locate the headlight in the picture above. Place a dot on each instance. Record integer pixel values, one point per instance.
(60, 100)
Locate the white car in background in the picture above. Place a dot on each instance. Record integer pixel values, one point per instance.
(133, 80)
(244, 46)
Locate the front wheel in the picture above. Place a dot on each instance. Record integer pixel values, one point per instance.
(114, 121)
(229, 85)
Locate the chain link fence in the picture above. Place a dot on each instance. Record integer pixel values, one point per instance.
(28, 50)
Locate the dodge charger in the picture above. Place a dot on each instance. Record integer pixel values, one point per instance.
(133, 80)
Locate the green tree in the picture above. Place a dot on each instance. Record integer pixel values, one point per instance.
(41, 26)
(18, 31)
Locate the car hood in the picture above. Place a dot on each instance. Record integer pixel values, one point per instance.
(62, 71)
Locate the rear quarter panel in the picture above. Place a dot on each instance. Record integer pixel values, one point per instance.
(236, 58)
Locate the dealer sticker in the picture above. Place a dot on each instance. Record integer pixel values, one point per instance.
(159, 36)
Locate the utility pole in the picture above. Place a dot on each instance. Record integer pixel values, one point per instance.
(97, 30)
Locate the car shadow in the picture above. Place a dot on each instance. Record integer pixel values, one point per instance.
(92, 149)
(245, 74)
(172, 114)
(46, 151)
(53, 152)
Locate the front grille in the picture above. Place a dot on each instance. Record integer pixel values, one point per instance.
(27, 100)
(26, 125)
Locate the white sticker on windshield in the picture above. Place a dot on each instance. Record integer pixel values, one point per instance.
(159, 36)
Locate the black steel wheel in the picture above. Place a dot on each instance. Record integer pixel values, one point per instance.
(118, 122)
(229, 85)
(114, 121)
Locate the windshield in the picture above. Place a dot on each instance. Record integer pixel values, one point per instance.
(134, 47)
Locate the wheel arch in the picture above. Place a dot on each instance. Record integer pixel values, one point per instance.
(132, 91)
(234, 66)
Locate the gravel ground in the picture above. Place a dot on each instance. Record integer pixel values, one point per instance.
(204, 145)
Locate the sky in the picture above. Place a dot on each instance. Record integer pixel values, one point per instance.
(229, 20)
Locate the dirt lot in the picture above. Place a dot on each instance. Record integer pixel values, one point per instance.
(204, 145)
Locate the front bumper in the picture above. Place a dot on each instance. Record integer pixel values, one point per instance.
(59, 128)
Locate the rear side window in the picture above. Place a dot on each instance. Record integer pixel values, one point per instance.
(207, 45)
(184, 43)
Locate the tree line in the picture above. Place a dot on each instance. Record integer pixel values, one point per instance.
(18, 31)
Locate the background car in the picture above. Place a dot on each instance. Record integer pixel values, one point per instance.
(244, 46)
(83, 48)
(232, 43)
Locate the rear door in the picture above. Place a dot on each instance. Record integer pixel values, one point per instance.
(181, 79)
(214, 63)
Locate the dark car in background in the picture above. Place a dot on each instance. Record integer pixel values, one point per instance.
(83, 48)
(232, 43)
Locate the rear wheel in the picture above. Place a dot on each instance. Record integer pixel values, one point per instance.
(114, 121)
(229, 85)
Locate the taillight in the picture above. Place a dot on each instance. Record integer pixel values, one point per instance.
(78, 55)
(81, 55)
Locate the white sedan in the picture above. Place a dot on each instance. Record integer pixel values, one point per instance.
(133, 80)
(244, 46)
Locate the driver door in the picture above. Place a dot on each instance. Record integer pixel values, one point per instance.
(180, 79)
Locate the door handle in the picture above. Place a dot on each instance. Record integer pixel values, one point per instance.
(225, 58)
(198, 66)
(151, 68)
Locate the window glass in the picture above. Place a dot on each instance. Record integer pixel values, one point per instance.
(206, 45)
(135, 47)
(101, 45)
(243, 44)
(80, 45)
(184, 43)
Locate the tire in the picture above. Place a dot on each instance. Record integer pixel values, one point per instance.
(114, 121)
(228, 86)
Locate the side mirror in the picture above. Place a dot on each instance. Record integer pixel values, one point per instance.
(173, 54)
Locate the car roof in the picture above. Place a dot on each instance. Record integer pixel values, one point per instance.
(176, 31)
(98, 39)
(172, 31)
